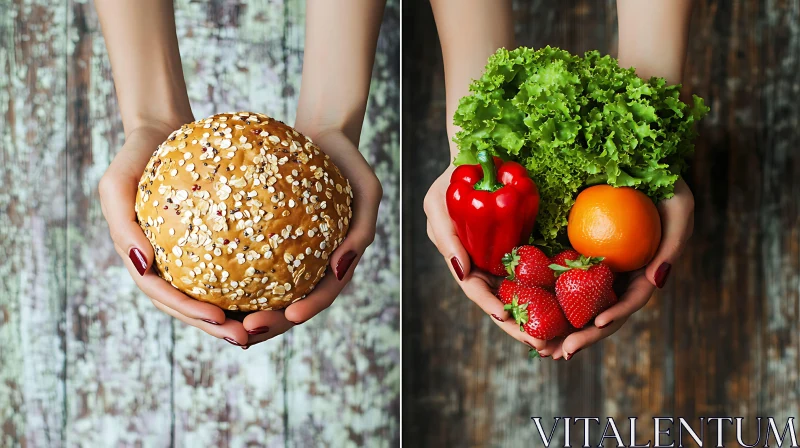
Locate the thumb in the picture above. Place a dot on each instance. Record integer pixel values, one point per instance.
(677, 223)
(443, 235)
(117, 190)
(117, 200)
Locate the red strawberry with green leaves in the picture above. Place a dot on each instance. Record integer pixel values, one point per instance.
(529, 266)
(584, 289)
(537, 313)
(562, 257)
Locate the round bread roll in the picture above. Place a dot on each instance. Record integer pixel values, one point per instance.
(243, 211)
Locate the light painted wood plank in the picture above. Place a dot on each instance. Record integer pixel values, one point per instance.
(33, 252)
(343, 372)
(119, 346)
(233, 56)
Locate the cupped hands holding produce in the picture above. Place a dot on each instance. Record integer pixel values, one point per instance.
(605, 150)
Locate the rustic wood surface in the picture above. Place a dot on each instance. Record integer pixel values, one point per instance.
(85, 359)
(720, 339)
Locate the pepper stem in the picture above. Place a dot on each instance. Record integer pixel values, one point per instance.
(489, 181)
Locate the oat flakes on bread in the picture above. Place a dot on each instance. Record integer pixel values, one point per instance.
(242, 211)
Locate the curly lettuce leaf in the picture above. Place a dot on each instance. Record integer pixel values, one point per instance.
(575, 121)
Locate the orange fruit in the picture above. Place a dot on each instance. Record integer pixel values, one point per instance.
(620, 224)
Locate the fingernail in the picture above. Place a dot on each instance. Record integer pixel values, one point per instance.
(209, 321)
(231, 341)
(138, 260)
(541, 355)
(570, 355)
(297, 323)
(344, 264)
(497, 318)
(661, 274)
(460, 271)
(607, 324)
(259, 330)
(245, 347)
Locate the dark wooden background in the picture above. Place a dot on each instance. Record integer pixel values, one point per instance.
(722, 337)
(85, 358)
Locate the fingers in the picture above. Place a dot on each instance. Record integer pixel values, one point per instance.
(677, 223)
(586, 337)
(479, 292)
(635, 297)
(231, 330)
(443, 234)
(264, 325)
(160, 290)
(320, 298)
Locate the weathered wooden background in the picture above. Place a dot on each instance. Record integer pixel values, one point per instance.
(85, 359)
(721, 339)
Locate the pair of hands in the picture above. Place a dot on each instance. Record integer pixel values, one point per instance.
(117, 190)
(677, 223)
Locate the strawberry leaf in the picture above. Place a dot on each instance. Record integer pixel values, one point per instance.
(533, 354)
(510, 261)
(518, 312)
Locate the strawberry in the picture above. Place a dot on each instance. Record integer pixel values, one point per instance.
(536, 311)
(584, 289)
(506, 291)
(561, 258)
(528, 266)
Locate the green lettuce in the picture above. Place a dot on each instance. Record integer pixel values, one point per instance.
(576, 121)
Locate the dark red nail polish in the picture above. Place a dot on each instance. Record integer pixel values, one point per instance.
(209, 321)
(138, 260)
(245, 347)
(344, 264)
(497, 318)
(259, 330)
(570, 355)
(542, 356)
(661, 274)
(604, 326)
(231, 341)
(460, 271)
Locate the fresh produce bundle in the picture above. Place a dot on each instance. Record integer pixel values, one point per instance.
(559, 151)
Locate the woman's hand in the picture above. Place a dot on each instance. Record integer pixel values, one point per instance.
(367, 194)
(117, 198)
(677, 224)
(478, 285)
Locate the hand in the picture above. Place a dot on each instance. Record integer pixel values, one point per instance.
(117, 198)
(480, 286)
(677, 224)
(367, 194)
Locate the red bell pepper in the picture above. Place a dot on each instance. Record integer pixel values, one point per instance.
(493, 206)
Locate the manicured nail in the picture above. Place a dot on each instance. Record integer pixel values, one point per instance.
(541, 355)
(245, 347)
(138, 260)
(607, 324)
(209, 321)
(497, 318)
(570, 355)
(661, 274)
(344, 264)
(460, 271)
(259, 330)
(231, 341)
(297, 323)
